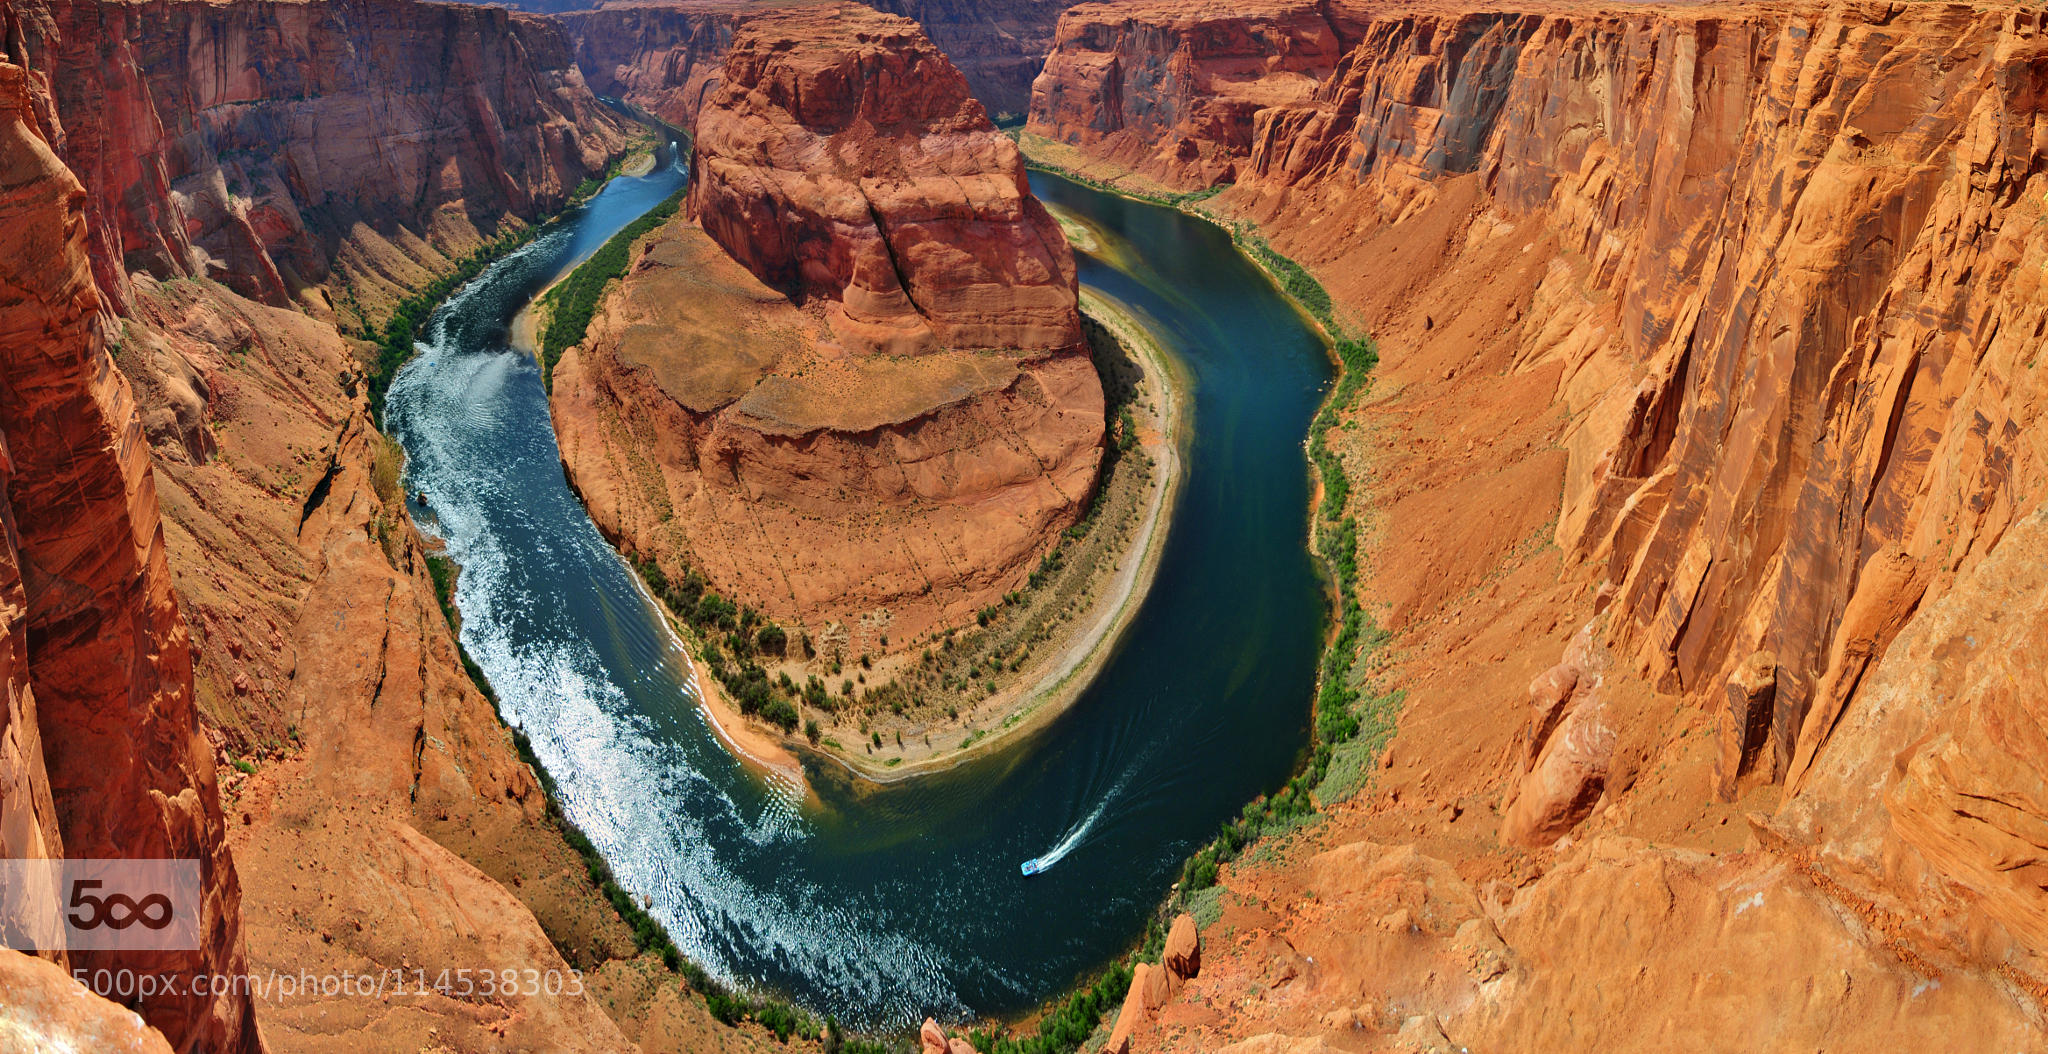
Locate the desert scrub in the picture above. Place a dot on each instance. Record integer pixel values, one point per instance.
(387, 467)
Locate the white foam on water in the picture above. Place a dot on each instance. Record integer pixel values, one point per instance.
(640, 799)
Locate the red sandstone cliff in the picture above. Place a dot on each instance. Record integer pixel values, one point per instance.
(905, 443)
(660, 55)
(842, 158)
(1755, 291)
(278, 147)
(663, 55)
(98, 660)
(999, 45)
(385, 818)
(1172, 94)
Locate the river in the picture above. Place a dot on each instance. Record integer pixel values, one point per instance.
(882, 904)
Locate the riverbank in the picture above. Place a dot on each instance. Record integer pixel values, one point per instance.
(1063, 668)
(1352, 721)
(1351, 725)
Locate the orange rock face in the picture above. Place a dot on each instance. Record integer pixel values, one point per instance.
(842, 159)
(46, 1010)
(663, 56)
(390, 822)
(281, 146)
(818, 488)
(1749, 293)
(1762, 456)
(904, 444)
(1174, 93)
(107, 685)
(999, 45)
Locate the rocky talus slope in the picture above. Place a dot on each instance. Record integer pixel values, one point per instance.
(209, 559)
(1700, 491)
(907, 414)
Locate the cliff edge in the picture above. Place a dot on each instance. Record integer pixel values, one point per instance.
(1696, 469)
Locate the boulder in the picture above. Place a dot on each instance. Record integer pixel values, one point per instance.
(1742, 727)
(49, 1011)
(1183, 957)
(1150, 990)
(1566, 781)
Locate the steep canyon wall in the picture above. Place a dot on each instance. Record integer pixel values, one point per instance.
(1172, 94)
(209, 558)
(664, 55)
(1748, 298)
(105, 758)
(315, 154)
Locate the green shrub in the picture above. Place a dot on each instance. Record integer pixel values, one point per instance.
(572, 302)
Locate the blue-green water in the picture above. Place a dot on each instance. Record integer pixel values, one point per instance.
(885, 904)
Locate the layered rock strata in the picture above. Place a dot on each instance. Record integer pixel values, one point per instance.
(98, 660)
(1743, 301)
(664, 55)
(861, 387)
(1172, 95)
(380, 814)
(327, 154)
(843, 159)
(999, 45)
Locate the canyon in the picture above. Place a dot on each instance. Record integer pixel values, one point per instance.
(1694, 471)
(224, 642)
(1699, 507)
(1171, 97)
(906, 414)
(664, 55)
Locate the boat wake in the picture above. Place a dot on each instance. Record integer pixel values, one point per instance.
(1075, 835)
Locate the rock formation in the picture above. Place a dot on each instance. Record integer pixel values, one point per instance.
(1762, 457)
(1173, 94)
(842, 158)
(46, 1010)
(381, 817)
(1754, 290)
(278, 147)
(910, 438)
(999, 45)
(664, 55)
(1154, 985)
(98, 660)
